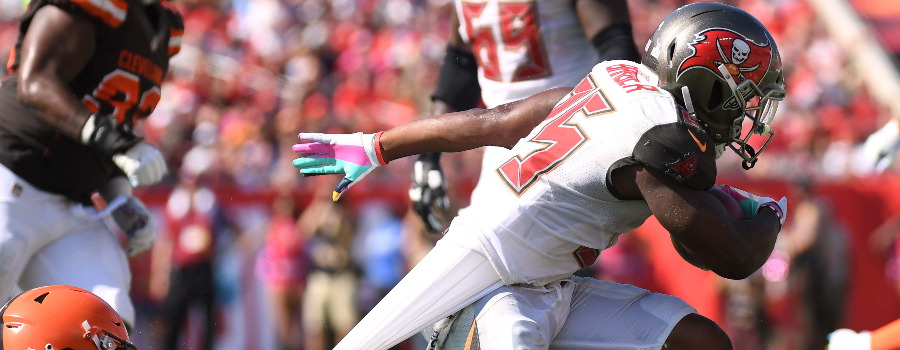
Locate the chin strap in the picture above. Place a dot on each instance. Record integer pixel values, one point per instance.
(749, 165)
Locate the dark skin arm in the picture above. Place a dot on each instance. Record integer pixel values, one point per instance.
(57, 46)
(698, 221)
(596, 15)
(460, 131)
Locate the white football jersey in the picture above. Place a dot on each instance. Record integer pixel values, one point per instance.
(548, 209)
(524, 47)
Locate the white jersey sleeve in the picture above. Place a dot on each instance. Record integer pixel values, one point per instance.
(524, 47)
(549, 208)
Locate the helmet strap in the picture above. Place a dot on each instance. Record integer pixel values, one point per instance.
(728, 78)
(686, 94)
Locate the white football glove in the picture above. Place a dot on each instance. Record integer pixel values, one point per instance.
(845, 339)
(142, 163)
(135, 221)
(881, 147)
(429, 190)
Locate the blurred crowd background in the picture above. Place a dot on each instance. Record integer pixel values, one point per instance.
(252, 256)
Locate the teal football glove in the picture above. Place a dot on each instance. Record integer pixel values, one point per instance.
(352, 155)
(751, 203)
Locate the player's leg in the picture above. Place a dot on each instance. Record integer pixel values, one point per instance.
(26, 224)
(446, 280)
(697, 332)
(512, 317)
(89, 257)
(606, 315)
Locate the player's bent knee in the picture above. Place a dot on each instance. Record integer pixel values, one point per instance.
(697, 332)
(526, 334)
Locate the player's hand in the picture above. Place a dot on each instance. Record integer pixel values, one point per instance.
(881, 147)
(751, 203)
(845, 339)
(351, 155)
(135, 221)
(143, 164)
(429, 190)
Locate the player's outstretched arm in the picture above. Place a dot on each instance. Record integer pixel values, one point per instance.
(356, 155)
(461, 131)
(731, 248)
(57, 46)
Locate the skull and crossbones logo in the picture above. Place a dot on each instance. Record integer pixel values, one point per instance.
(740, 51)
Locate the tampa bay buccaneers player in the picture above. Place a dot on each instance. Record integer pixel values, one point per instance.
(504, 51)
(585, 165)
(83, 75)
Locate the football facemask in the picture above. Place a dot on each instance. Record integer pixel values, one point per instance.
(757, 106)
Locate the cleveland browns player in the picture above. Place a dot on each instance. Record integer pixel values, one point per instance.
(59, 318)
(586, 165)
(83, 74)
(504, 51)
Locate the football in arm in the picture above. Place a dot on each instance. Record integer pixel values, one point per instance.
(731, 205)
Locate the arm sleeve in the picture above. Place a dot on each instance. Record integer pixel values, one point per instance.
(681, 150)
(457, 83)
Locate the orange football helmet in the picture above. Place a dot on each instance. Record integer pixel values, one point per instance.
(61, 317)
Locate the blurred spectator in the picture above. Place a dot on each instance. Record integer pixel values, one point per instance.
(281, 266)
(744, 305)
(377, 249)
(183, 259)
(328, 303)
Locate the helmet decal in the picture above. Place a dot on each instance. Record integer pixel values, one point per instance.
(744, 58)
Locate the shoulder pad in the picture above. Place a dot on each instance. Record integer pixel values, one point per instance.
(176, 27)
(110, 12)
(680, 149)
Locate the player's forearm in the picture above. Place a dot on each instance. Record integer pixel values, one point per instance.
(460, 131)
(452, 132)
(732, 249)
(54, 103)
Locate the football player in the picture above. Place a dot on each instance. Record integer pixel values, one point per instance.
(83, 73)
(586, 165)
(504, 51)
(61, 317)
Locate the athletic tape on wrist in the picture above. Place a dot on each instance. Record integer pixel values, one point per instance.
(378, 148)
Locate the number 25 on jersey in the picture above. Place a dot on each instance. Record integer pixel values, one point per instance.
(559, 138)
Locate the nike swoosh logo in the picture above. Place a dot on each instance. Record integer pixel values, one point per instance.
(702, 145)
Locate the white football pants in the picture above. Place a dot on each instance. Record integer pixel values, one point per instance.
(577, 313)
(46, 239)
(445, 281)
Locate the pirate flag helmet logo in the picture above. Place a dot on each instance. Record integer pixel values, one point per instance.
(743, 58)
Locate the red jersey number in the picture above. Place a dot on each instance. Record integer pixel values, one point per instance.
(518, 30)
(560, 138)
(122, 91)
